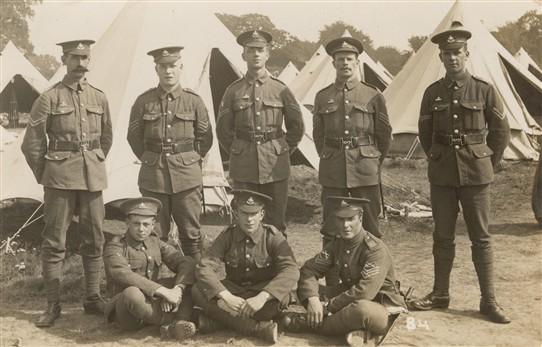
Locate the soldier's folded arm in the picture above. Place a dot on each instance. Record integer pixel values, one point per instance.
(287, 269)
(382, 129)
(206, 275)
(372, 278)
(106, 138)
(425, 124)
(498, 135)
(293, 119)
(225, 123)
(203, 132)
(34, 146)
(119, 269)
(136, 128)
(181, 265)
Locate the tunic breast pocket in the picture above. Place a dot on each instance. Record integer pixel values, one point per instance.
(242, 111)
(262, 262)
(441, 121)
(62, 120)
(362, 118)
(94, 114)
(183, 124)
(232, 259)
(273, 113)
(138, 265)
(473, 115)
(152, 125)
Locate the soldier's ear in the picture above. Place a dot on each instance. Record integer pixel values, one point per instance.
(63, 59)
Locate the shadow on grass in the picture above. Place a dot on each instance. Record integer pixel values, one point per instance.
(516, 229)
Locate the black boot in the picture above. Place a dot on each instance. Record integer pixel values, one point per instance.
(429, 302)
(94, 304)
(48, 318)
(493, 311)
(295, 322)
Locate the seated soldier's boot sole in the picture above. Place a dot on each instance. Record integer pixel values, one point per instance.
(360, 338)
(179, 330)
(267, 331)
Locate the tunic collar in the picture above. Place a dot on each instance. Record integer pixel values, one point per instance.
(175, 92)
(262, 78)
(74, 83)
(459, 80)
(352, 83)
(256, 236)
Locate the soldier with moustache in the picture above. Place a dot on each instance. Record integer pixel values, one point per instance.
(170, 133)
(250, 128)
(464, 132)
(65, 145)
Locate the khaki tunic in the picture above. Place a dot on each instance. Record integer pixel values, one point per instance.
(69, 136)
(357, 110)
(256, 106)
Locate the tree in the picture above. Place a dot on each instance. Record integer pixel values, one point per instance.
(416, 42)
(45, 63)
(13, 22)
(525, 32)
(336, 29)
(391, 58)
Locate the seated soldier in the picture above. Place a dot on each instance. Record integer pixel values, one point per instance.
(260, 273)
(359, 307)
(132, 264)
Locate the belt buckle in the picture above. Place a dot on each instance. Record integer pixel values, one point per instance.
(167, 147)
(458, 140)
(84, 146)
(347, 142)
(259, 137)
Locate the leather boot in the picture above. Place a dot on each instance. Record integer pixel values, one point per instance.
(207, 325)
(48, 318)
(94, 304)
(179, 330)
(295, 322)
(265, 330)
(494, 312)
(429, 302)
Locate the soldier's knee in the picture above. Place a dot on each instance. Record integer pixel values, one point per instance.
(197, 296)
(133, 294)
(370, 315)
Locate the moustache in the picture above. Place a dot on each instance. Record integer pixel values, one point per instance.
(81, 69)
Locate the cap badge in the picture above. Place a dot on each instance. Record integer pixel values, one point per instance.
(344, 203)
(450, 39)
(250, 201)
(345, 44)
(142, 205)
(255, 34)
(165, 53)
(80, 46)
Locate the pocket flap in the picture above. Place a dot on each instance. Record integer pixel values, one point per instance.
(362, 108)
(151, 116)
(190, 158)
(481, 150)
(369, 152)
(329, 108)
(62, 111)
(239, 105)
(439, 107)
(281, 146)
(99, 153)
(95, 109)
(58, 155)
(473, 105)
(149, 158)
(188, 116)
(262, 261)
(273, 103)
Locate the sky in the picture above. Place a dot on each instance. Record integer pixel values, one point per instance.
(386, 22)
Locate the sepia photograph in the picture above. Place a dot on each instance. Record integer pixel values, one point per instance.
(256, 173)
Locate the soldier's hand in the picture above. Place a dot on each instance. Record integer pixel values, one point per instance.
(254, 304)
(166, 306)
(315, 312)
(234, 303)
(173, 296)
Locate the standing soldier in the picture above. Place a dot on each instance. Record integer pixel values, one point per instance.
(352, 135)
(463, 132)
(250, 128)
(133, 263)
(367, 302)
(65, 145)
(260, 273)
(170, 133)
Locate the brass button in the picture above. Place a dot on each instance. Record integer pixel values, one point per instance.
(257, 99)
(346, 132)
(83, 120)
(258, 113)
(258, 128)
(168, 154)
(455, 101)
(247, 269)
(347, 117)
(347, 251)
(456, 146)
(169, 126)
(456, 87)
(168, 140)
(454, 116)
(248, 256)
(258, 143)
(346, 147)
(345, 265)
(168, 112)
(456, 131)
(346, 101)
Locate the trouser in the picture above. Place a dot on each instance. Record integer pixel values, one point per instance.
(270, 309)
(133, 310)
(370, 213)
(537, 192)
(275, 211)
(475, 202)
(59, 207)
(185, 208)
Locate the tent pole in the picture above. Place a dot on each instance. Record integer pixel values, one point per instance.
(7, 243)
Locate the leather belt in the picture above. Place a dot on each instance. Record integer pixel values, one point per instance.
(74, 145)
(460, 139)
(256, 136)
(350, 142)
(169, 147)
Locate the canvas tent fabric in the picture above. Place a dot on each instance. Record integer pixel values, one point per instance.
(20, 81)
(288, 73)
(488, 60)
(319, 72)
(525, 59)
(209, 66)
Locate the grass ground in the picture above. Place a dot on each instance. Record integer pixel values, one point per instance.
(518, 252)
